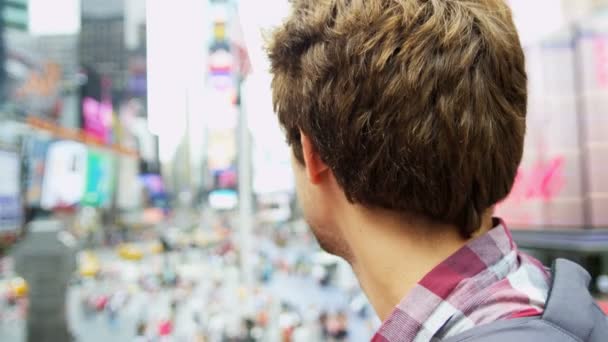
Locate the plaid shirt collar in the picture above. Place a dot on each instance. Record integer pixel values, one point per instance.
(485, 281)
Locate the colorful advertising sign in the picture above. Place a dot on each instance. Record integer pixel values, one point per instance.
(97, 118)
(154, 186)
(99, 179)
(64, 175)
(223, 199)
(561, 181)
(34, 150)
(33, 89)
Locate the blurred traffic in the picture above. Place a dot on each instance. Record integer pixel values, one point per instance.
(186, 287)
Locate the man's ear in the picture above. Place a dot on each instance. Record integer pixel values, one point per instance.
(315, 167)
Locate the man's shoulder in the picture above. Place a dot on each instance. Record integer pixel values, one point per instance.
(521, 330)
(530, 330)
(571, 314)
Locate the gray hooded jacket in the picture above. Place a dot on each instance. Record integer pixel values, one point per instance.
(571, 315)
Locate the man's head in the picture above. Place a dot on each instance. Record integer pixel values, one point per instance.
(411, 106)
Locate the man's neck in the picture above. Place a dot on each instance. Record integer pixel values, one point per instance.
(391, 255)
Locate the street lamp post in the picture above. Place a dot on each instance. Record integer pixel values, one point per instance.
(245, 194)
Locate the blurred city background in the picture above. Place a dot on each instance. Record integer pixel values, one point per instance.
(145, 185)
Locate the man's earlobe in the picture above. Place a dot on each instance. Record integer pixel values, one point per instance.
(315, 167)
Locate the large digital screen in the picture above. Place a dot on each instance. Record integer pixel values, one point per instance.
(97, 118)
(34, 152)
(156, 194)
(223, 199)
(64, 175)
(99, 179)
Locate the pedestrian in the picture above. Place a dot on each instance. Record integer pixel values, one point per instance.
(165, 327)
(112, 314)
(196, 318)
(406, 121)
(174, 305)
(199, 326)
(142, 330)
(323, 321)
(341, 333)
(86, 305)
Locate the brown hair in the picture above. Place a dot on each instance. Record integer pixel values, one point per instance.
(417, 106)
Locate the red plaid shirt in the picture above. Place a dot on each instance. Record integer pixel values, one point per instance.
(485, 281)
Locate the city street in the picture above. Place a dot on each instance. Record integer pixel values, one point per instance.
(220, 307)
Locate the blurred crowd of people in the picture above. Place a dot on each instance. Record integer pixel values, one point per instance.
(186, 292)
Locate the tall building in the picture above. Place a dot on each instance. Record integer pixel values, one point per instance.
(61, 49)
(102, 44)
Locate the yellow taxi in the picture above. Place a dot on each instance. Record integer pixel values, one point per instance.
(130, 252)
(17, 288)
(89, 265)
